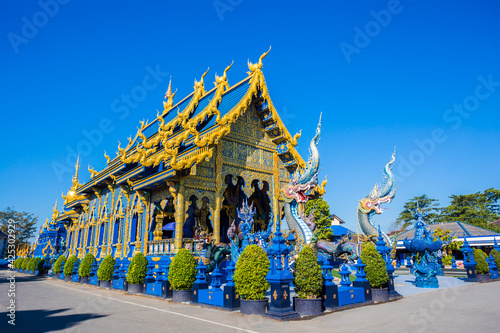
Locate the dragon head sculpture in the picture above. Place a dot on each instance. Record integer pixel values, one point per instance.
(372, 204)
(306, 181)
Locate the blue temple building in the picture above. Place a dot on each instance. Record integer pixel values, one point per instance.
(179, 179)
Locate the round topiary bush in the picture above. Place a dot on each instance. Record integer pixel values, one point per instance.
(182, 273)
(308, 276)
(24, 263)
(496, 256)
(34, 264)
(376, 271)
(137, 269)
(68, 266)
(481, 263)
(86, 265)
(250, 274)
(106, 268)
(39, 265)
(57, 265)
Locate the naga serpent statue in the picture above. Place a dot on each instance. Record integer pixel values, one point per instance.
(296, 192)
(300, 184)
(370, 205)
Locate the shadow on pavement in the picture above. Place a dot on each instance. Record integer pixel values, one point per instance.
(40, 321)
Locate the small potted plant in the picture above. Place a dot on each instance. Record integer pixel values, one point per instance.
(376, 273)
(482, 267)
(182, 275)
(68, 267)
(308, 283)
(105, 271)
(85, 267)
(56, 269)
(136, 273)
(250, 279)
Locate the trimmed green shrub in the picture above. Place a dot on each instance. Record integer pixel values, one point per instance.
(481, 263)
(250, 274)
(137, 269)
(86, 265)
(308, 276)
(376, 271)
(106, 268)
(182, 273)
(57, 265)
(496, 256)
(34, 264)
(68, 265)
(18, 262)
(24, 263)
(39, 267)
(30, 264)
(446, 260)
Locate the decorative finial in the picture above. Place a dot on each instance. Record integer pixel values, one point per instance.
(77, 167)
(168, 94)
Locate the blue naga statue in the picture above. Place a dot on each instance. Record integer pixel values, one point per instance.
(305, 182)
(371, 205)
(427, 253)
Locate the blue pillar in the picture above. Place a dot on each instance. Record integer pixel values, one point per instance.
(469, 262)
(200, 282)
(330, 289)
(279, 278)
(361, 281)
(493, 267)
(231, 299)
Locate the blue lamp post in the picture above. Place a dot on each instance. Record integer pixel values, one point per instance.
(469, 262)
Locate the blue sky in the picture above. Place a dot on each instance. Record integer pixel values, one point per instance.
(420, 76)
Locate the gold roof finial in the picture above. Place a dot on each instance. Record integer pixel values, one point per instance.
(77, 167)
(169, 96)
(55, 213)
(169, 90)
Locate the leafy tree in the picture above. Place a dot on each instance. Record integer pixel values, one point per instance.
(447, 237)
(25, 224)
(427, 205)
(321, 217)
(68, 265)
(57, 264)
(477, 209)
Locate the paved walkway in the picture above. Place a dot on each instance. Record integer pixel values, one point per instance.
(56, 306)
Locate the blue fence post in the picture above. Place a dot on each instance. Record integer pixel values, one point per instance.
(361, 281)
(200, 282)
(330, 289)
(231, 299)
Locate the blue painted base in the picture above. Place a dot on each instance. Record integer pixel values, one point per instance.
(61, 276)
(331, 297)
(197, 287)
(367, 290)
(214, 296)
(350, 295)
(120, 284)
(426, 282)
(75, 278)
(231, 298)
(93, 280)
(494, 274)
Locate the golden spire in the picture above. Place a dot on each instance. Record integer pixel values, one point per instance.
(55, 213)
(169, 96)
(77, 167)
(169, 90)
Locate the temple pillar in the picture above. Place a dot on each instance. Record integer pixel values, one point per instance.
(180, 216)
(276, 189)
(159, 224)
(138, 232)
(218, 192)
